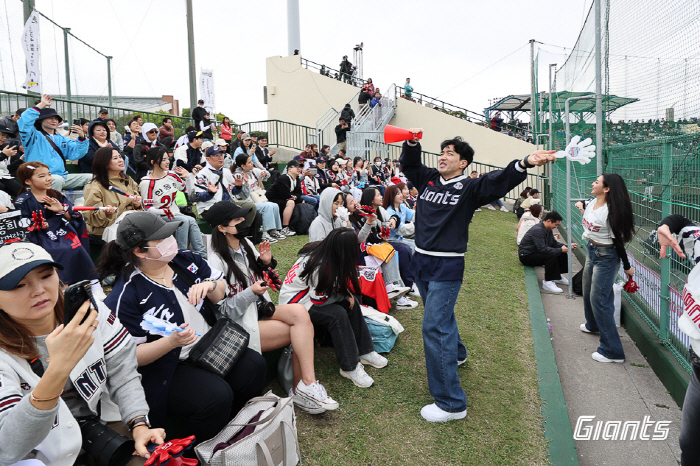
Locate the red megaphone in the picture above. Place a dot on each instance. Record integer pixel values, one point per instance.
(396, 134)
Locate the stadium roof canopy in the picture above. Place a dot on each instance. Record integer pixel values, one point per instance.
(522, 103)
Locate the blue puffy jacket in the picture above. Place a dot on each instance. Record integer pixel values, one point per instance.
(38, 149)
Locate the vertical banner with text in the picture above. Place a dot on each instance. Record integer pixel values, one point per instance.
(32, 53)
(206, 85)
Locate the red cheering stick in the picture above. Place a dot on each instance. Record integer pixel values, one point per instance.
(272, 279)
(119, 191)
(386, 232)
(37, 221)
(170, 453)
(631, 286)
(366, 211)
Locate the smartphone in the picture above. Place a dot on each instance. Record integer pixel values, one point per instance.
(313, 171)
(74, 297)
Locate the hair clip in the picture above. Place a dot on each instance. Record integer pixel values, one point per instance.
(31, 167)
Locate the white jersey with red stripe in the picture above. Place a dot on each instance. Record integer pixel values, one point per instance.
(159, 193)
(295, 290)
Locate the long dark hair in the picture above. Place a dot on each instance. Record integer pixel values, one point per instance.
(100, 162)
(114, 260)
(367, 197)
(220, 246)
(154, 155)
(26, 171)
(620, 213)
(334, 261)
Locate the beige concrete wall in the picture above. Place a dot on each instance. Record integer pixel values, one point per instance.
(489, 147)
(301, 96)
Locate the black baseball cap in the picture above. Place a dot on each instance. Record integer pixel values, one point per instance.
(534, 191)
(5, 129)
(223, 212)
(143, 226)
(103, 110)
(192, 135)
(292, 163)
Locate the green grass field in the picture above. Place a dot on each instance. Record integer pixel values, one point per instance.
(382, 425)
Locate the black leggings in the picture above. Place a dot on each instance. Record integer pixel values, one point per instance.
(348, 329)
(202, 403)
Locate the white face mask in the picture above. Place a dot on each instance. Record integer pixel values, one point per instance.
(167, 249)
(378, 164)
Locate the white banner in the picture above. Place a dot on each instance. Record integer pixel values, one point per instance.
(30, 41)
(206, 86)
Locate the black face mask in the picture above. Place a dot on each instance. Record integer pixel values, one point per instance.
(242, 230)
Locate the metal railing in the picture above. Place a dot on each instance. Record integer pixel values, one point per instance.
(661, 177)
(11, 101)
(281, 133)
(332, 73)
(369, 126)
(460, 112)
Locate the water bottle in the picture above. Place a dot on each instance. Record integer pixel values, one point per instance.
(549, 327)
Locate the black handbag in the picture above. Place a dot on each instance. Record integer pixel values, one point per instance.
(219, 349)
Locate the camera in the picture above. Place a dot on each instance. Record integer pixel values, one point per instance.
(265, 308)
(105, 445)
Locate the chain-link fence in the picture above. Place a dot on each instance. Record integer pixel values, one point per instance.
(651, 137)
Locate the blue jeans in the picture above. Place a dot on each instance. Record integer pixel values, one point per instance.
(405, 254)
(188, 231)
(270, 212)
(313, 200)
(443, 346)
(599, 275)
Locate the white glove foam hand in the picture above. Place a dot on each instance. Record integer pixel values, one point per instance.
(576, 151)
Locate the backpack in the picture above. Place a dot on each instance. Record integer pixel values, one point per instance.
(302, 217)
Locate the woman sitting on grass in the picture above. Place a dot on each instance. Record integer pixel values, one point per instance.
(325, 280)
(243, 267)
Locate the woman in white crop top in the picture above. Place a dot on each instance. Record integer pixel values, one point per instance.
(608, 223)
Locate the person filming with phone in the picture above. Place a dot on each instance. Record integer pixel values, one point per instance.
(54, 369)
(37, 128)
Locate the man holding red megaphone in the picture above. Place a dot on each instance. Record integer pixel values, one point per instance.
(447, 201)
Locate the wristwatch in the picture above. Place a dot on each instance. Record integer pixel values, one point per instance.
(139, 420)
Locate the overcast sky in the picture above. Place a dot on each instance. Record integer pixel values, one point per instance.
(445, 46)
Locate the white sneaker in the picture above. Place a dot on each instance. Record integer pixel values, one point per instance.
(600, 358)
(286, 231)
(503, 209)
(432, 413)
(491, 207)
(305, 404)
(477, 210)
(374, 359)
(584, 329)
(461, 361)
(277, 234)
(267, 237)
(562, 281)
(314, 393)
(405, 303)
(551, 287)
(414, 292)
(358, 376)
(394, 291)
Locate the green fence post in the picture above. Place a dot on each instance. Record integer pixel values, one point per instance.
(666, 172)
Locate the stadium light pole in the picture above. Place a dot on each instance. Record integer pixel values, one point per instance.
(533, 109)
(552, 66)
(293, 34)
(570, 295)
(190, 53)
(598, 91)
